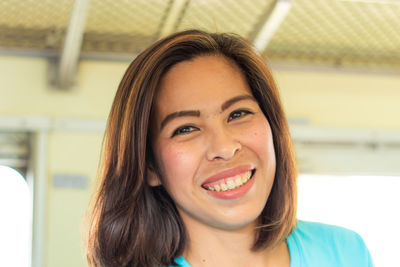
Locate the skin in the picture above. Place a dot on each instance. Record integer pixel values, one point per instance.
(190, 149)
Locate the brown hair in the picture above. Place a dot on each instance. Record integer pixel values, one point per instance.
(134, 224)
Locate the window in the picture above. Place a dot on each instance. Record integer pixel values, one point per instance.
(16, 219)
(368, 205)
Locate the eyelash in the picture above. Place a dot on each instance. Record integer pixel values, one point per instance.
(243, 113)
(183, 129)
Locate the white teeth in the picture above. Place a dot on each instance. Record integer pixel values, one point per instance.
(231, 183)
(246, 177)
(224, 187)
(238, 181)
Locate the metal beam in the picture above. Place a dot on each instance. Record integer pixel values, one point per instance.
(270, 26)
(72, 45)
(301, 130)
(46, 124)
(39, 199)
(121, 57)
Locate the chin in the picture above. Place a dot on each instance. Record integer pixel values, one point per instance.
(237, 222)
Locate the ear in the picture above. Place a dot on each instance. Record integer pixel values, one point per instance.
(153, 178)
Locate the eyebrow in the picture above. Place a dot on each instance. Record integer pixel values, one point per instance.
(196, 113)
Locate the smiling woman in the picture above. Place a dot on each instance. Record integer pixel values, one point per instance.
(212, 156)
(198, 166)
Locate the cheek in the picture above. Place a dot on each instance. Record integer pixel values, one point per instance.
(259, 138)
(178, 163)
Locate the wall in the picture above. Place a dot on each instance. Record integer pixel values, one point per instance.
(342, 99)
(324, 98)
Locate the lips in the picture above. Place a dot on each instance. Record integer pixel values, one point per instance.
(230, 184)
(228, 173)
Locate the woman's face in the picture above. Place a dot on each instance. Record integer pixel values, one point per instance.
(212, 144)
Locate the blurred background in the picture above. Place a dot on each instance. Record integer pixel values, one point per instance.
(336, 62)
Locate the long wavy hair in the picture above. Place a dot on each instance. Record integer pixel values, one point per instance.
(134, 224)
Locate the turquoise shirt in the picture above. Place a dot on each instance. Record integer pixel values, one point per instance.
(315, 245)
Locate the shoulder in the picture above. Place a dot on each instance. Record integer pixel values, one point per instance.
(317, 243)
(312, 231)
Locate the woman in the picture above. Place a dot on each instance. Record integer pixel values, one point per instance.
(198, 166)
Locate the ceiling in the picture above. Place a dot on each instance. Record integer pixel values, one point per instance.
(344, 33)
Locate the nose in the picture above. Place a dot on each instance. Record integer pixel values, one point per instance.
(222, 144)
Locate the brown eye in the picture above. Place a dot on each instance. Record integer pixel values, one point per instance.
(184, 130)
(238, 114)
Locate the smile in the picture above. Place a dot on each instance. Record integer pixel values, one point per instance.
(230, 183)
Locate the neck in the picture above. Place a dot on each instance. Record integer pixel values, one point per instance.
(210, 247)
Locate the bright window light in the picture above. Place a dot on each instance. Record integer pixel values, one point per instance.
(368, 205)
(16, 219)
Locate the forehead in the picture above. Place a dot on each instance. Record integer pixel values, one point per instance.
(193, 84)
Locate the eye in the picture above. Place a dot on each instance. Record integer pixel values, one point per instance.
(184, 130)
(238, 114)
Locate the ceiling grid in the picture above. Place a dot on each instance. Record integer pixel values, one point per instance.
(339, 33)
(236, 16)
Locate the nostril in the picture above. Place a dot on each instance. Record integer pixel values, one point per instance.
(223, 151)
(222, 144)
